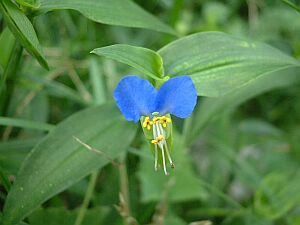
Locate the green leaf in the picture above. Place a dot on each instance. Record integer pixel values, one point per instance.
(13, 152)
(97, 81)
(292, 5)
(57, 89)
(172, 218)
(7, 42)
(23, 30)
(59, 160)
(25, 124)
(4, 180)
(210, 108)
(142, 59)
(113, 12)
(8, 47)
(219, 63)
(29, 3)
(55, 216)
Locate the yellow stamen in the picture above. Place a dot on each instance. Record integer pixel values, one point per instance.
(158, 139)
(156, 119)
(154, 142)
(147, 123)
(164, 121)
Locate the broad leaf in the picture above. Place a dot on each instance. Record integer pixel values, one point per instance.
(56, 216)
(23, 30)
(59, 160)
(219, 63)
(142, 59)
(114, 12)
(13, 152)
(210, 108)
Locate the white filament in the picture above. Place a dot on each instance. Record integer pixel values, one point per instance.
(164, 161)
(155, 149)
(156, 158)
(158, 131)
(166, 146)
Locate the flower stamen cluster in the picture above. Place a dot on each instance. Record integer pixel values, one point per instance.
(159, 125)
(159, 119)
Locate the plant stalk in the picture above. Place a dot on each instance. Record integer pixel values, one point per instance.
(124, 187)
(87, 198)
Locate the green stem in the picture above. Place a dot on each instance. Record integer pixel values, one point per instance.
(87, 198)
(125, 203)
(175, 12)
(124, 186)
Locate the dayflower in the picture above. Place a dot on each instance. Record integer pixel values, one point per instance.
(138, 99)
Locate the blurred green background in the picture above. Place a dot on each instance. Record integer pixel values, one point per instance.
(243, 166)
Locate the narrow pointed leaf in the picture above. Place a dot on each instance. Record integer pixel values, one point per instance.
(219, 63)
(292, 5)
(25, 124)
(23, 30)
(29, 3)
(97, 81)
(113, 12)
(7, 42)
(142, 59)
(59, 160)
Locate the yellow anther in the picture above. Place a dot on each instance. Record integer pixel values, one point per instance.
(156, 119)
(154, 142)
(147, 123)
(164, 121)
(158, 139)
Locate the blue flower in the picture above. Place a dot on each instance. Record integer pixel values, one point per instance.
(138, 99)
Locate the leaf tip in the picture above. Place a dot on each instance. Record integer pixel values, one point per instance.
(44, 64)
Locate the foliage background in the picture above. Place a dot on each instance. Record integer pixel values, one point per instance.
(241, 163)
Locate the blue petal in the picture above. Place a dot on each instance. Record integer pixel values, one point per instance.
(135, 97)
(177, 96)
